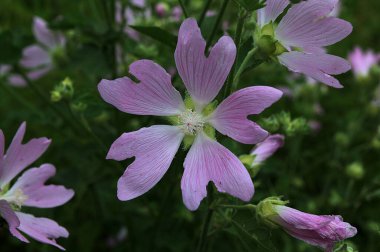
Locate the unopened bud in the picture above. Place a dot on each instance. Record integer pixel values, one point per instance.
(355, 170)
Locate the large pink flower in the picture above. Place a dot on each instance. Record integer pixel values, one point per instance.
(156, 146)
(362, 62)
(303, 32)
(29, 190)
(318, 230)
(38, 58)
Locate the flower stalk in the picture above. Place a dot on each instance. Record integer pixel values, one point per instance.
(242, 67)
(228, 89)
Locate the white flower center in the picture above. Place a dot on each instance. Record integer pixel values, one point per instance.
(16, 197)
(191, 122)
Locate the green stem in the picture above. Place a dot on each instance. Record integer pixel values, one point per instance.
(236, 224)
(86, 127)
(217, 23)
(183, 8)
(207, 221)
(239, 31)
(242, 67)
(249, 206)
(19, 99)
(204, 12)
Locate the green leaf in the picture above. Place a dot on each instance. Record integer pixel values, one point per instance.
(158, 34)
(251, 5)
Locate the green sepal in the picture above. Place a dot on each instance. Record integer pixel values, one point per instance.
(188, 140)
(209, 131)
(173, 120)
(189, 103)
(210, 108)
(266, 210)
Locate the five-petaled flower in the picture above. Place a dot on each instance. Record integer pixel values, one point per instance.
(29, 190)
(194, 121)
(302, 34)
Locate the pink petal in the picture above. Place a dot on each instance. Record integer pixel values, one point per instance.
(267, 148)
(308, 24)
(11, 218)
(138, 3)
(230, 117)
(319, 230)
(203, 76)
(208, 161)
(362, 62)
(2, 143)
(271, 11)
(154, 149)
(154, 95)
(45, 36)
(34, 56)
(317, 66)
(32, 184)
(19, 155)
(16, 80)
(41, 229)
(36, 74)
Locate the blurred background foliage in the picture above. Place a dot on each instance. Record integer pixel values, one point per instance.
(329, 164)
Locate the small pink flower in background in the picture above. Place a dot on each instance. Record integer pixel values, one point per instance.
(39, 58)
(177, 13)
(318, 230)
(114, 240)
(161, 9)
(29, 190)
(128, 16)
(267, 148)
(13, 79)
(303, 32)
(362, 61)
(155, 147)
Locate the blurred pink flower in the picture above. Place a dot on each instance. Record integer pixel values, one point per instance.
(322, 231)
(38, 58)
(13, 79)
(362, 62)
(303, 32)
(267, 148)
(156, 146)
(29, 190)
(177, 13)
(161, 9)
(139, 3)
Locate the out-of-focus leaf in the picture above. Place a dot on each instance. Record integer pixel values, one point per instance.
(158, 34)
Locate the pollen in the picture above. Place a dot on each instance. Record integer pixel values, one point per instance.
(191, 122)
(16, 198)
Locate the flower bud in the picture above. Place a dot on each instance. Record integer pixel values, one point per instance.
(266, 210)
(266, 45)
(355, 170)
(64, 90)
(323, 231)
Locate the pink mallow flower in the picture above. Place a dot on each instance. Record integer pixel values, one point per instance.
(39, 58)
(302, 34)
(267, 148)
(362, 62)
(29, 190)
(318, 230)
(194, 121)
